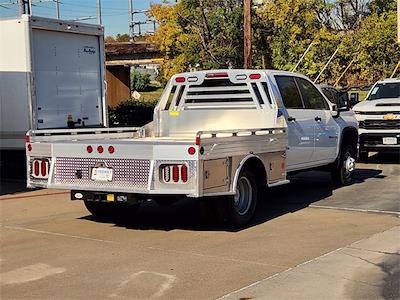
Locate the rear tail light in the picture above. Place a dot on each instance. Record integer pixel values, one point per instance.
(184, 173)
(167, 174)
(40, 168)
(29, 147)
(174, 173)
(36, 168)
(27, 138)
(43, 167)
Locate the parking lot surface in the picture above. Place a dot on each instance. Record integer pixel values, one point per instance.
(51, 247)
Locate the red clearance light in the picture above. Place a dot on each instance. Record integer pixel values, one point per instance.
(255, 76)
(180, 79)
(100, 149)
(175, 173)
(192, 150)
(184, 173)
(89, 149)
(198, 140)
(111, 149)
(217, 75)
(29, 147)
(43, 167)
(27, 138)
(36, 168)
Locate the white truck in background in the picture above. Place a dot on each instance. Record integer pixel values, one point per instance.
(51, 77)
(218, 134)
(379, 118)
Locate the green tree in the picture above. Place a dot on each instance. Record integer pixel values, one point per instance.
(199, 33)
(139, 81)
(122, 37)
(376, 51)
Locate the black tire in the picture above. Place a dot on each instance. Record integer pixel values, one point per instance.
(363, 155)
(111, 211)
(343, 169)
(238, 210)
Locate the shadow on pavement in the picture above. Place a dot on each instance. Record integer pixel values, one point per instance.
(12, 186)
(191, 214)
(384, 158)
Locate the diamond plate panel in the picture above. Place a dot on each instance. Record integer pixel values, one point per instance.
(128, 173)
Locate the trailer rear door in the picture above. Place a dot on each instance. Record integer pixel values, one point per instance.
(67, 79)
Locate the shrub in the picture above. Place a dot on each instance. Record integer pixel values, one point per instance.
(131, 113)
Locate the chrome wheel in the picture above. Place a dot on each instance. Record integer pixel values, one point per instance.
(349, 164)
(244, 196)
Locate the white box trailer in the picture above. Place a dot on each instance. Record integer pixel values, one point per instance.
(51, 77)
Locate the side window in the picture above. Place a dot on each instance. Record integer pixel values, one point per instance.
(329, 94)
(289, 91)
(311, 96)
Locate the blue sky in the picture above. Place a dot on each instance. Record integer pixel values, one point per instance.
(114, 12)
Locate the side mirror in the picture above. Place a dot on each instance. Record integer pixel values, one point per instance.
(354, 98)
(335, 111)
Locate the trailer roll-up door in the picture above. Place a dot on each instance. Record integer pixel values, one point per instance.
(67, 79)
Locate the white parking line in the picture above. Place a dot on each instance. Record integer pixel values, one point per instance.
(357, 209)
(166, 285)
(54, 233)
(29, 273)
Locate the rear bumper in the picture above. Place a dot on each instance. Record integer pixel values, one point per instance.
(374, 142)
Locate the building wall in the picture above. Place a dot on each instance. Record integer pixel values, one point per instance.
(118, 84)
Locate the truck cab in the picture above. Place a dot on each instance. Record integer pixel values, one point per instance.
(379, 118)
(318, 132)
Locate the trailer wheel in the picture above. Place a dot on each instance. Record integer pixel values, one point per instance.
(111, 211)
(240, 208)
(342, 172)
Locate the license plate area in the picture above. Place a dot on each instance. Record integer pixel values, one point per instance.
(389, 140)
(102, 174)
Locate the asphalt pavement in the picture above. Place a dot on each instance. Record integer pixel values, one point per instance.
(307, 241)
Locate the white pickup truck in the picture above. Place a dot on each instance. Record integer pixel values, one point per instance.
(379, 118)
(224, 133)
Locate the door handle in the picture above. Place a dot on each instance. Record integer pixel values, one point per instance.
(318, 119)
(291, 119)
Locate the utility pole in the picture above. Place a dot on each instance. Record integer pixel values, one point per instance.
(398, 21)
(131, 25)
(21, 7)
(57, 9)
(99, 12)
(247, 33)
